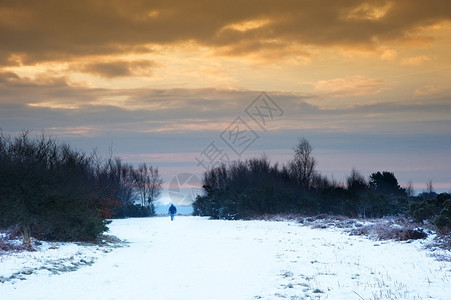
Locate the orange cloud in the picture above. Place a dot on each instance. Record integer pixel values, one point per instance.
(426, 90)
(369, 11)
(389, 55)
(349, 86)
(415, 61)
(118, 68)
(37, 31)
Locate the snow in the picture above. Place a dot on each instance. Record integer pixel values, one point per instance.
(197, 258)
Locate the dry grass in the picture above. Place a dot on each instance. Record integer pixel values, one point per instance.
(388, 228)
(10, 240)
(390, 231)
(7, 245)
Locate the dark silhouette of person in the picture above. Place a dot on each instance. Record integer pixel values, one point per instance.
(172, 211)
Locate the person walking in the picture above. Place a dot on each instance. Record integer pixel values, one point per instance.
(172, 211)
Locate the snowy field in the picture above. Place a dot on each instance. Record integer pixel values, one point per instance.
(196, 258)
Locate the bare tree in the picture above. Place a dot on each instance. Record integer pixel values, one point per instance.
(148, 184)
(355, 181)
(142, 182)
(121, 180)
(302, 167)
(358, 187)
(126, 193)
(429, 187)
(409, 189)
(155, 185)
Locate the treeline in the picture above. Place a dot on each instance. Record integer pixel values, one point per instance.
(255, 187)
(51, 191)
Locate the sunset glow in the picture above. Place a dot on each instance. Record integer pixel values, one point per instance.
(364, 81)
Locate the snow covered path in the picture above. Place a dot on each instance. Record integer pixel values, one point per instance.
(195, 258)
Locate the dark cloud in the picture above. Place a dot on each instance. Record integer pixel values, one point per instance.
(118, 68)
(185, 121)
(52, 103)
(63, 30)
(109, 70)
(7, 77)
(25, 91)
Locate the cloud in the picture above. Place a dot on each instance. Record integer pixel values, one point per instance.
(36, 31)
(349, 86)
(119, 68)
(389, 55)
(367, 11)
(415, 61)
(426, 90)
(247, 25)
(108, 70)
(8, 77)
(52, 104)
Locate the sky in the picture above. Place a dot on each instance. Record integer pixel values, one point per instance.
(184, 85)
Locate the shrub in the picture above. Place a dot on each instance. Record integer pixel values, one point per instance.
(133, 211)
(443, 219)
(414, 234)
(437, 210)
(399, 229)
(69, 222)
(52, 191)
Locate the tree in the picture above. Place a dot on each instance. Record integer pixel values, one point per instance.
(142, 182)
(119, 181)
(388, 198)
(23, 177)
(302, 167)
(358, 190)
(437, 210)
(386, 183)
(409, 190)
(49, 191)
(356, 182)
(155, 187)
(126, 181)
(148, 184)
(429, 187)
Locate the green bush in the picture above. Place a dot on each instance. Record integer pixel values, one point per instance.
(133, 211)
(436, 210)
(65, 219)
(253, 188)
(51, 191)
(443, 219)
